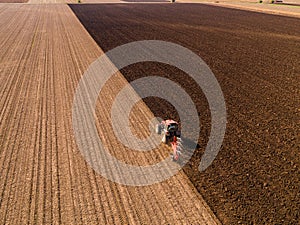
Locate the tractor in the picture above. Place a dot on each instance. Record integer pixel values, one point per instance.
(169, 129)
(171, 134)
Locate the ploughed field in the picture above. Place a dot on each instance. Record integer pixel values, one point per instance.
(255, 57)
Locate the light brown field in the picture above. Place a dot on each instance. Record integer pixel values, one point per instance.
(290, 8)
(44, 178)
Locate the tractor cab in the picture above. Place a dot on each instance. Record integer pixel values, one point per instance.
(169, 128)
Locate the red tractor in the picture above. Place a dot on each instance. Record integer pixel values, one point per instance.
(171, 133)
(169, 129)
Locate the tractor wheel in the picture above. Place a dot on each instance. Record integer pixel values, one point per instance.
(165, 139)
(158, 129)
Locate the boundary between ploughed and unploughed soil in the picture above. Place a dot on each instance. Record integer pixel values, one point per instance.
(44, 178)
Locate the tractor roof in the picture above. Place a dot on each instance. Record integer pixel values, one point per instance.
(170, 122)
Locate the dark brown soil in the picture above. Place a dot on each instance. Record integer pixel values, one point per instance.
(255, 179)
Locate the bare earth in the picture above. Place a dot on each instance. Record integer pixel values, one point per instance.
(44, 178)
(51, 1)
(13, 1)
(278, 9)
(289, 8)
(255, 178)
